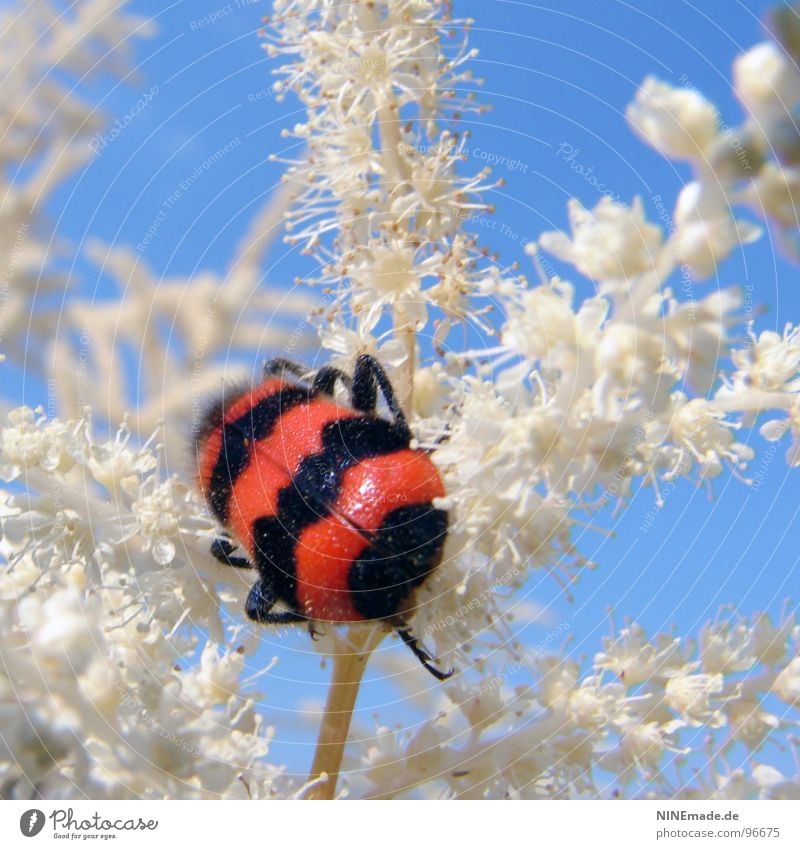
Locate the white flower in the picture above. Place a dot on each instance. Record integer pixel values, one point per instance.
(609, 242)
(557, 683)
(114, 464)
(482, 705)
(634, 659)
(775, 193)
(775, 430)
(768, 643)
(766, 81)
(677, 122)
(542, 325)
(62, 628)
(691, 695)
(787, 685)
(706, 231)
(726, 648)
(389, 188)
(593, 706)
(697, 332)
(386, 275)
(771, 363)
(701, 430)
(629, 356)
(773, 784)
(749, 722)
(642, 745)
(75, 607)
(217, 678)
(158, 513)
(30, 440)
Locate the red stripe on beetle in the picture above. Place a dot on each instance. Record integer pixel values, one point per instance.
(326, 550)
(323, 557)
(375, 486)
(275, 460)
(247, 400)
(298, 433)
(255, 494)
(209, 452)
(235, 407)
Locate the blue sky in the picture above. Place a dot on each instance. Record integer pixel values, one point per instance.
(557, 73)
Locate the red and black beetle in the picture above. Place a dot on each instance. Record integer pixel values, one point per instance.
(331, 504)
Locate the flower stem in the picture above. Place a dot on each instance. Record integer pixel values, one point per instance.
(397, 174)
(405, 333)
(349, 662)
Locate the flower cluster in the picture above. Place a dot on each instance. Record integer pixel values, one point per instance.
(108, 687)
(753, 165)
(210, 331)
(45, 140)
(384, 221)
(79, 345)
(538, 728)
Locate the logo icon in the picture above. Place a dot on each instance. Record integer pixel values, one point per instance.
(31, 822)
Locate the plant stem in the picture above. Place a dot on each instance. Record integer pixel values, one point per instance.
(397, 174)
(349, 662)
(404, 331)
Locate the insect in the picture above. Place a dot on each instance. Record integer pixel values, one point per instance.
(332, 506)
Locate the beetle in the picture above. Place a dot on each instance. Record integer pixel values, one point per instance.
(332, 506)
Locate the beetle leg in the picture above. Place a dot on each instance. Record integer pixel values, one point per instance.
(422, 656)
(222, 550)
(280, 364)
(326, 377)
(368, 378)
(260, 602)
